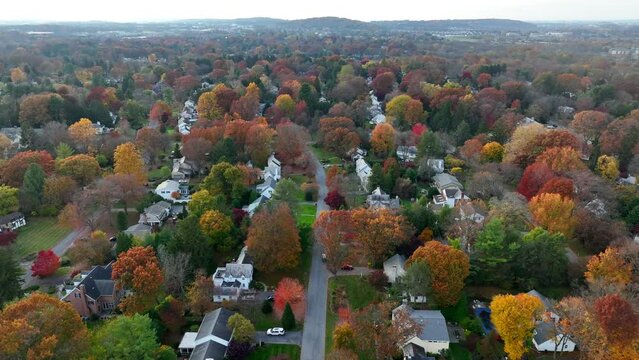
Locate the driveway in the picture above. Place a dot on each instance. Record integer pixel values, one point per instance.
(291, 338)
(357, 271)
(314, 336)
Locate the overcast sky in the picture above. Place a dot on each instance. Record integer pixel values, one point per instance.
(147, 10)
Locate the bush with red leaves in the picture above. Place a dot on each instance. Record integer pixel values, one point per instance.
(7, 237)
(46, 264)
(335, 200)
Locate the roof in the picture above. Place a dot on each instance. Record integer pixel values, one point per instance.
(10, 217)
(432, 323)
(170, 185)
(208, 350)
(362, 166)
(214, 323)
(97, 282)
(444, 181)
(239, 270)
(395, 260)
(544, 331)
(138, 229)
(158, 208)
(544, 300)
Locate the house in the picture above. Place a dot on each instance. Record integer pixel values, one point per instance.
(100, 129)
(183, 168)
(212, 338)
(548, 335)
(378, 199)
(436, 164)
(93, 293)
(357, 153)
(12, 221)
(628, 180)
(378, 119)
(470, 211)
(450, 190)
(394, 267)
(273, 169)
(252, 207)
(139, 230)
(433, 337)
(173, 190)
(446, 181)
(231, 280)
(363, 171)
(267, 187)
(406, 153)
(155, 214)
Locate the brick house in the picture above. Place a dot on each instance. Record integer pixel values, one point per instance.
(93, 293)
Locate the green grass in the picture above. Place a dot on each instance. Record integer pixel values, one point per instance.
(39, 234)
(305, 214)
(326, 157)
(268, 351)
(458, 352)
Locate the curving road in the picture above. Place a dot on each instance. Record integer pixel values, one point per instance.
(313, 337)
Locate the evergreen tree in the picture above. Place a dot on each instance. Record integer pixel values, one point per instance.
(288, 319)
(176, 151)
(124, 242)
(429, 145)
(377, 177)
(10, 276)
(122, 221)
(267, 308)
(32, 188)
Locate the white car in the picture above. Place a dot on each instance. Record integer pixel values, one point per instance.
(278, 331)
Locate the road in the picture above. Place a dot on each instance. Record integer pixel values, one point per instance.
(291, 337)
(59, 249)
(314, 335)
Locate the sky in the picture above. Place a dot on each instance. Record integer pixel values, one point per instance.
(161, 10)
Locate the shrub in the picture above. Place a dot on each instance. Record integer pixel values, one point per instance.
(46, 264)
(378, 279)
(288, 319)
(267, 308)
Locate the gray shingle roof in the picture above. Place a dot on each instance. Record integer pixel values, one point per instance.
(10, 217)
(208, 350)
(432, 322)
(98, 282)
(214, 323)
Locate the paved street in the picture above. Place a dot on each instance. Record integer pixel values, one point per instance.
(313, 339)
(292, 338)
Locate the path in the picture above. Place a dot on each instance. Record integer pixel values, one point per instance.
(59, 249)
(314, 335)
(291, 338)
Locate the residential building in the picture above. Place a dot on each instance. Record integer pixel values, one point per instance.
(139, 231)
(93, 293)
(406, 153)
(433, 337)
(252, 207)
(100, 129)
(155, 214)
(273, 169)
(378, 119)
(12, 221)
(357, 153)
(548, 335)
(450, 190)
(437, 165)
(364, 172)
(212, 338)
(267, 188)
(183, 168)
(394, 267)
(173, 190)
(271, 174)
(231, 280)
(378, 199)
(469, 211)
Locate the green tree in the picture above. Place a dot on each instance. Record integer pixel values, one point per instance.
(190, 239)
(126, 337)
(416, 281)
(10, 276)
(124, 242)
(288, 319)
(377, 178)
(494, 252)
(123, 222)
(226, 180)
(286, 191)
(135, 113)
(267, 308)
(8, 199)
(541, 259)
(429, 145)
(63, 151)
(243, 329)
(32, 189)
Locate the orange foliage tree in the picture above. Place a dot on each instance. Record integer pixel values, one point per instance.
(608, 268)
(379, 232)
(449, 268)
(562, 159)
(590, 123)
(334, 230)
(41, 326)
(127, 160)
(12, 171)
(554, 213)
(559, 185)
(82, 168)
(82, 133)
(290, 291)
(138, 270)
(383, 139)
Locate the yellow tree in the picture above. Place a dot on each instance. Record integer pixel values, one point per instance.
(608, 167)
(82, 133)
(379, 232)
(514, 319)
(608, 268)
(127, 160)
(522, 136)
(286, 105)
(492, 152)
(17, 75)
(554, 213)
(383, 139)
(207, 106)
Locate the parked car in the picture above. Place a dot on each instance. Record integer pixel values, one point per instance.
(270, 298)
(347, 267)
(277, 331)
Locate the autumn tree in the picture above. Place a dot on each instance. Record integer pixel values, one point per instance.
(554, 213)
(383, 139)
(94, 249)
(343, 336)
(618, 320)
(286, 191)
(290, 291)
(514, 319)
(337, 134)
(45, 264)
(37, 110)
(41, 326)
(82, 133)
(248, 105)
(196, 150)
(492, 152)
(334, 230)
(200, 295)
(226, 180)
(81, 167)
(127, 337)
(448, 267)
(562, 159)
(201, 201)
(217, 226)
(171, 312)
(124, 188)
(12, 170)
(559, 185)
(590, 123)
(138, 270)
(242, 328)
(404, 111)
(520, 139)
(259, 144)
(286, 105)
(379, 232)
(335, 200)
(18, 75)
(608, 268)
(8, 199)
(273, 232)
(208, 107)
(151, 143)
(534, 178)
(608, 167)
(127, 160)
(383, 83)
(290, 143)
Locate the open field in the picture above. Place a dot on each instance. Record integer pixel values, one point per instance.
(39, 234)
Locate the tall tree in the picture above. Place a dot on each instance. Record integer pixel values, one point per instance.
(208, 107)
(379, 232)
(8, 199)
(554, 213)
(286, 191)
(217, 226)
(12, 171)
(618, 320)
(383, 139)
(608, 268)
(242, 328)
(226, 180)
(200, 295)
(81, 167)
(128, 161)
(126, 337)
(514, 319)
(11, 276)
(32, 188)
(541, 261)
(82, 133)
(273, 231)
(138, 270)
(124, 188)
(334, 230)
(290, 292)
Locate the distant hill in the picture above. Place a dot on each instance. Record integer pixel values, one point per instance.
(443, 25)
(334, 24)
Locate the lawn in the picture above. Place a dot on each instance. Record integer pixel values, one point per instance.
(305, 214)
(267, 351)
(39, 234)
(326, 157)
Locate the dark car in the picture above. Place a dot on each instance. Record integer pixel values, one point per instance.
(270, 298)
(347, 267)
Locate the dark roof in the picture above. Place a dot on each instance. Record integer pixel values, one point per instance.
(208, 350)
(214, 323)
(98, 282)
(544, 332)
(10, 217)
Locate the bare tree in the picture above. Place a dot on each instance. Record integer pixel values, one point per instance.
(175, 268)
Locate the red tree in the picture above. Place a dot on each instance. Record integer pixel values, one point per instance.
(12, 171)
(383, 83)
(534, 178)
(418, 129)
(290, 291)
(559, 185)
(617, 319)
(335, 200)
(7, 237)
(47, 263)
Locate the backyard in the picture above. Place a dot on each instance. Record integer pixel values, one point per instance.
(268, 351)
(39, 234)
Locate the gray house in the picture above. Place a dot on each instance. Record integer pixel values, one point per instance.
(155, 214)
(433, 337)
(212, 338)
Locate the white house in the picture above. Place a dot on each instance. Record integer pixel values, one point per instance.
(183, 168)
(394, 267)
(433, 337)
(231, 280)
(12, 221)
(173, 190)
(363, 171)
(378, 119)
(378, 199)
(212, 338)
(406, 153)
(548, 335)
(450, 190)
(155, 214)
(436, 164)
(273, 169)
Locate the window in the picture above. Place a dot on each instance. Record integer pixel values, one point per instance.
(91, 302)
(77, 295)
